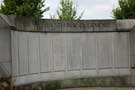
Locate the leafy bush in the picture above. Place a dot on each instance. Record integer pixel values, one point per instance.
(33, 8)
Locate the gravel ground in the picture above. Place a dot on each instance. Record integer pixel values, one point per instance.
(99, 88)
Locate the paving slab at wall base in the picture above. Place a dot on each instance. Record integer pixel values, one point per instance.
(100, 88)
(107, 82)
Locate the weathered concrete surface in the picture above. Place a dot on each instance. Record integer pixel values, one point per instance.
(48, 25)
(5, 57)
(100, 88)
(8, 19)
(27, 24)
(126, 24)
(132, 54)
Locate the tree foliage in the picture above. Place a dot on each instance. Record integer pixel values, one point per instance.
(23, 8)
(126, 10)
(67, 11)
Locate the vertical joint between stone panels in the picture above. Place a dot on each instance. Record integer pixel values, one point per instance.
(129, 49)
(118, 72)
(65, 61)
(71, 43)
(11, 50)
(52, 56)
(49, 54)
(11, 63)
(130, 55)
(97, 69)
(28, 54)
(16, 51)
(113, 56)
(53, 65)
(11, 44)
(81, 58)
(18, 43)
(39, 55)
(66, 66)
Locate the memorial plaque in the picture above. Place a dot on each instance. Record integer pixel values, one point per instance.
(89, 51)
(23, 54)
(74, 52)
(58, 52)
(34, 60)
(121, 50)
(45, 53)
(15, 56)
(104, 51)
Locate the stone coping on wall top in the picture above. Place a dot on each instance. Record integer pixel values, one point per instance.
(49, 25)
(46, 25)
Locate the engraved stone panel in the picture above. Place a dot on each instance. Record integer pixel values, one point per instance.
(15, 56)
(23, 54)
(121, 50)
(43, 56)
(58, 52)
(74, 51)
(89, 51)
(34, 60)
(104, 50)
(45, 52)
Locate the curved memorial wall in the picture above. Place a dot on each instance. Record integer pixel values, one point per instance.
(57, 50)
(67, 50)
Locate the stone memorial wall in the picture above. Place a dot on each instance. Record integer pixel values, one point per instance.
(58, 50)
